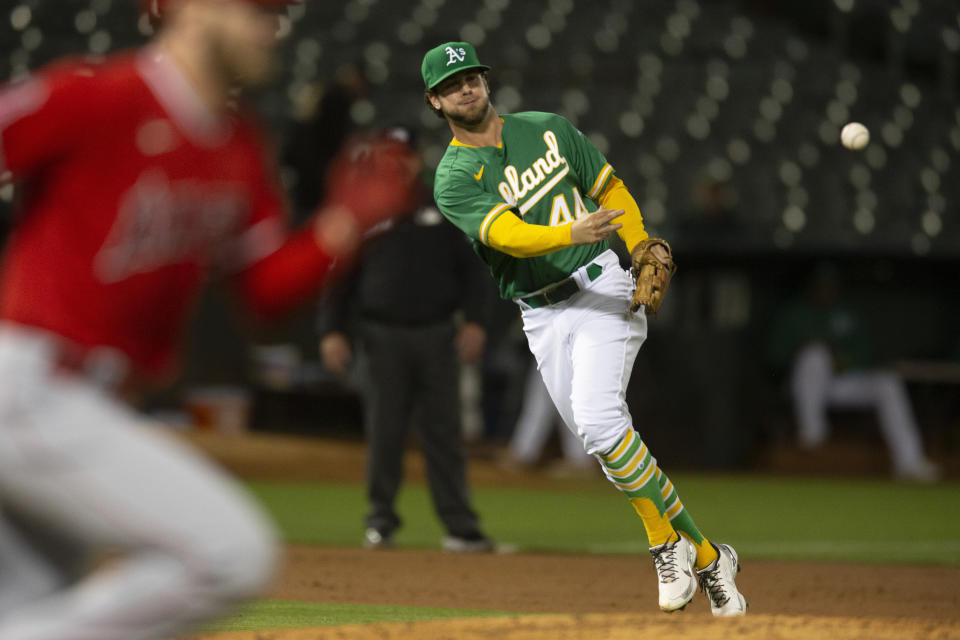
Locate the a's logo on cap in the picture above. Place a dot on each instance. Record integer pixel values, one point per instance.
(455, 55)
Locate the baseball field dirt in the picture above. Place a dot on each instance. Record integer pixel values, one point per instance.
(788, 601)
(576, 596)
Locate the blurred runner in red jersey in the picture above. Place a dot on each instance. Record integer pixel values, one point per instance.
(139, 179)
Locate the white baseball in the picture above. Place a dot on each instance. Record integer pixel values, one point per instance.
(854, 136)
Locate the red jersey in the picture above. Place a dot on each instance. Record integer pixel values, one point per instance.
(132, 193)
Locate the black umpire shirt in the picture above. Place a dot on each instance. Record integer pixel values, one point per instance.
(414, 271)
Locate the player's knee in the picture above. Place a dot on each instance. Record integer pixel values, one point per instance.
(252, 565)
(600, 443)
(600, 430)
(888, 381)
(889, 387)
(242, 564)
(813, 360)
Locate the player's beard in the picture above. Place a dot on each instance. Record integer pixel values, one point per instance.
(471, 116)
(244, 66)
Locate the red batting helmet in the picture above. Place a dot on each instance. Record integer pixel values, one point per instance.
(155, 8)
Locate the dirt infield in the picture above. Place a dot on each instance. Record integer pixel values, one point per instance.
(579, 594)
(587, 596)
(617, 627)
(582, 584)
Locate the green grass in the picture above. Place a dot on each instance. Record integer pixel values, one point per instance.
(283, 614)
(778, 518)
(785, 518)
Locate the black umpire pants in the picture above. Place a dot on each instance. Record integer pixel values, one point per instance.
(415, 368)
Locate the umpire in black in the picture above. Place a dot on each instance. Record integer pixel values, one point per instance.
(418, 295)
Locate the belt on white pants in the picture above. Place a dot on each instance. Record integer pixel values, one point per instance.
(563, 289)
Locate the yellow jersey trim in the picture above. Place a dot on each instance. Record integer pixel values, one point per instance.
(488, 219)
(598, 184)
(456, 143)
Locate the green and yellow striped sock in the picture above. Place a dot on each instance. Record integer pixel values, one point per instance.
(632, 470)
(681, 521)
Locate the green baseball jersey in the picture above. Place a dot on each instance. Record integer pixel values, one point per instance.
(546, 172)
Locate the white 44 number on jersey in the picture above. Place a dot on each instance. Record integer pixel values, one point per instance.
(560, 214)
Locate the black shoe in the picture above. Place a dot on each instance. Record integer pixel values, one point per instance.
(374, 539)
(470, 543)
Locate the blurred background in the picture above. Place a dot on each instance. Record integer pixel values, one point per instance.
(723, 119)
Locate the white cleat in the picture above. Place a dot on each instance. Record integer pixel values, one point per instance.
(674, 562)
(718, 581)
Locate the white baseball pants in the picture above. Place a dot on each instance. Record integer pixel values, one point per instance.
(585, 347)
(78, 466)
(815, 388)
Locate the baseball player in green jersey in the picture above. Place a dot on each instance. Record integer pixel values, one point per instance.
(539, 203)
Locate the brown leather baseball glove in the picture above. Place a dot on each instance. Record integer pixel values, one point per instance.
(653, 267)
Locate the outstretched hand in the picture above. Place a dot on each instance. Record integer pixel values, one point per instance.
(372, 179)
(594, 227)
(375, 177)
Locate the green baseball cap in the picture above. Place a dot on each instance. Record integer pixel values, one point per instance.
(449, 58)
